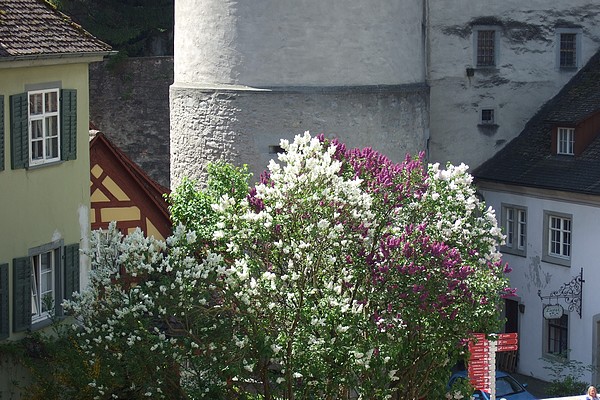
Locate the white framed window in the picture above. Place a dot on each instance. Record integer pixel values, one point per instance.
(558, 229)
(568, 46)
(559, 243)
(44, 126)
(41, 280)
(43, 284)
(514, 225)
(565, 140)
(485, 46)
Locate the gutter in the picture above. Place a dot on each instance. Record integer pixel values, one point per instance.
(54, 58)
(44, 56)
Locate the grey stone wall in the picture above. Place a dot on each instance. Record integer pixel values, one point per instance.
(129, 102)
(245, 126)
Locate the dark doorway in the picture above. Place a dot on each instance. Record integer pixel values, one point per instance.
(507, 360)
(511, 310)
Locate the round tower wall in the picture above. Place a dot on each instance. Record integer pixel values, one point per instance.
(271, 43)
(246, 126)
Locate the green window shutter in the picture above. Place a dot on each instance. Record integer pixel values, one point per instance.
(4, 331)
(21, 294)
(71, 270)
(19, 131)
(1, 133)
(68, 124)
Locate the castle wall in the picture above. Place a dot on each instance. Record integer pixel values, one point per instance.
(245, 127)
(129, 103)
(302, 42)
(248, 74)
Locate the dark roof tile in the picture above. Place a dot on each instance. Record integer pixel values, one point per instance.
(35, 27)
(527, 159)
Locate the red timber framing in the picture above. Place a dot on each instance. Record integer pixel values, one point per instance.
(121, 191)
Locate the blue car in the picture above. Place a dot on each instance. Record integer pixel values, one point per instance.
(507, 387)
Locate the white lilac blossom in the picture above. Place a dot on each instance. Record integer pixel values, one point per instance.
(339, 271)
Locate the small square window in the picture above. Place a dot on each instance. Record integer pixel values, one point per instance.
(565, 141)
(488, 116)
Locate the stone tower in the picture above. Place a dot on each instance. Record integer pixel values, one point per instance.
(248, 74)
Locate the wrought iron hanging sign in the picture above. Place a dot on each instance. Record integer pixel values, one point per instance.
(553, 311)
(571, 292)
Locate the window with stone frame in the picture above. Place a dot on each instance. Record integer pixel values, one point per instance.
(41, 280)
(514, 226)
(558, 234)
(488, 116)
(557, 343)
(485, 47)
(568, 48)
(43, 287)
(44, 126)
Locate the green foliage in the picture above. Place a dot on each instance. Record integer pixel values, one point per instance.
(192, 207)
(566, 376)
(55, 364)
(340, 275)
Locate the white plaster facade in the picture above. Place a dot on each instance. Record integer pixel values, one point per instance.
(525, 76)
(531, 273)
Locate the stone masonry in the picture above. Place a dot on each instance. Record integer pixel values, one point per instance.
(129, 102)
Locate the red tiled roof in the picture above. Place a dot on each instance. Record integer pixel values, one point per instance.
(36, 28)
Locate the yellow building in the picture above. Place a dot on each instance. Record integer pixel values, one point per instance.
(44, 164)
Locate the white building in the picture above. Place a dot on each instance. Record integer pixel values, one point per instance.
(545, 188)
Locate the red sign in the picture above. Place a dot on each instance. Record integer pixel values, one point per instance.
(480, 368)
(510, 335)
(508, 338)
(508, 342)
(479, 363)
(481, 384)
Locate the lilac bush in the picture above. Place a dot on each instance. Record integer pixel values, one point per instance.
(339, 275)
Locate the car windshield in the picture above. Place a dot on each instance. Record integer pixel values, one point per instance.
(506, 386)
